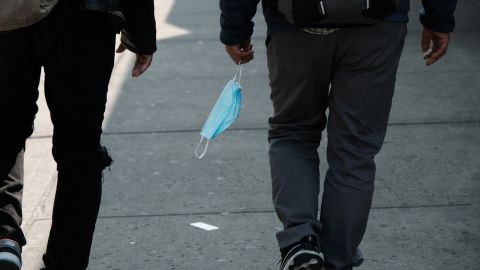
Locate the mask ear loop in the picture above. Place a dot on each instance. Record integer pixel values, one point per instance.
(238, 74)
(199, 156)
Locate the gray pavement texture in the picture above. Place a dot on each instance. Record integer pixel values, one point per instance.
(426, 212)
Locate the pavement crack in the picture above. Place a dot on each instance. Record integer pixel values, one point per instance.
(270, 211)
(195, 130)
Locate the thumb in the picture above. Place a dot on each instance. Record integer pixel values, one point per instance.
(121, 48)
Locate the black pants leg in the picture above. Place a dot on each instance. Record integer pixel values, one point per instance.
(77, 73)
(359, 107)
(19, 78)
(300, 84)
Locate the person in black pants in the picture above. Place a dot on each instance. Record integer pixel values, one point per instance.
(75, 44)
(352, 72)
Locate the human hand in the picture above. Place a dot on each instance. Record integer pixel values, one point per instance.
(434, 45)
(241, 53)
(141, 63)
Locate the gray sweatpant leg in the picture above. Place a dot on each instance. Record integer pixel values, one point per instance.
(351, 72)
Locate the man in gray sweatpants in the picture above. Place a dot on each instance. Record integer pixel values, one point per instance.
(352, 72)
(355, 80)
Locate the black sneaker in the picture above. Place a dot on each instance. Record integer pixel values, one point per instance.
(304, 255)
(10, 255)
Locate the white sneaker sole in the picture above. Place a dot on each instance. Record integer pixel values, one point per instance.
(9, 261)
(311, 264)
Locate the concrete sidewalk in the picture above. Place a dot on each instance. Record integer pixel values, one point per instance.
(426, 211)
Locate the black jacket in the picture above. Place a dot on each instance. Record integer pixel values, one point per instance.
(237, 26)
(135, 19)
(139, 31)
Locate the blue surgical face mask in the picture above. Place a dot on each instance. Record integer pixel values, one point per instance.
(223, 114)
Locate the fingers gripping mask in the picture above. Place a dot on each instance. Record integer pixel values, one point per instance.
(223, 114)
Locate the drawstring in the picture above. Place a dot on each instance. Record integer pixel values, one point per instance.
(199, 156)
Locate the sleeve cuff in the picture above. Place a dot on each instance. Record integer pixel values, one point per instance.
(144, 48)
(436, 23)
